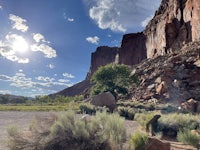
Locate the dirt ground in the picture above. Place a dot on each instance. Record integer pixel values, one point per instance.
(23, 120)
(15, 118)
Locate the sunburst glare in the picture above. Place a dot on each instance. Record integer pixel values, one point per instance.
(20, 45)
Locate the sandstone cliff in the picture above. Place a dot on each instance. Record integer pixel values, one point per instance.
(102, 56)
(176, 23)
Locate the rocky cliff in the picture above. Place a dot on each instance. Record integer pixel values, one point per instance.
(102, 56)
(176, 24)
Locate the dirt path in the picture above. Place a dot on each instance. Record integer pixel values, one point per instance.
(23, 119)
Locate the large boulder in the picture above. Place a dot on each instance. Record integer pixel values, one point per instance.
(191, 105)
(104, 99)
(156, 144)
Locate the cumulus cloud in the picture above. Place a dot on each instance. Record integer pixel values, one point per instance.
(93, 40)
(39, 37)
(70, 19)
(48, 51)
(18, 23)
(7, 51)
(1, 7)
(68, 75)
(121, 15)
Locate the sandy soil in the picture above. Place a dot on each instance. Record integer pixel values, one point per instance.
(23, 120)
(14, 118)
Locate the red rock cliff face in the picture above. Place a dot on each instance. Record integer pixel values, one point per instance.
(131, 52)
(102, 56)
(175, 23)
(133, 49)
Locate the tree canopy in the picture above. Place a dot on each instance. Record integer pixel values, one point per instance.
(115, 78)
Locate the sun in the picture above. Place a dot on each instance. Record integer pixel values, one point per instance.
(20, 45)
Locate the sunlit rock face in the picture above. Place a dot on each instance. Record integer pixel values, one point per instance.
(175, 23)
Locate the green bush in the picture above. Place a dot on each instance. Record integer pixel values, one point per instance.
(138, 141)
(180, 121)
(187, 137)
(87, 109)
(116, 79)
(144, 118)
(67, 131)
(126, 112)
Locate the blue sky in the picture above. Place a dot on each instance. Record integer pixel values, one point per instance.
(46, 45)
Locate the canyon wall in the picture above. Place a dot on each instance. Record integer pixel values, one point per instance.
(175, 23)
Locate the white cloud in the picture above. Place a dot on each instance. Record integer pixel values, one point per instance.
(63, 80)
(70, 19)
(39, 38)
(20, 70)
(93, 40)
(5, 92)
(45, 79)
(51, 66)
(121, 15)
(41, 84)
(146, 21)
(18, 23)
(1, 7)
(7, 51)
(48, 51)
(68, 75)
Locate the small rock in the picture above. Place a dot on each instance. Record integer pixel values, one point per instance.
(151, 86)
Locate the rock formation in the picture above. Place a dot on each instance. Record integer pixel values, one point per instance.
(133, 49)
(102, 56)
(170, 42)
(176, 23)
(172, 78)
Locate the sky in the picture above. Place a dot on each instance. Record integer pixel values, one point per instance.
(46, 45)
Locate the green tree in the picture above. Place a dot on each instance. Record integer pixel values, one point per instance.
(114, 78)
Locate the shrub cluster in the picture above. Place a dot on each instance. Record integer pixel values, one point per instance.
(138, 141)
(187, 137)
(67, 131)
(126, 112)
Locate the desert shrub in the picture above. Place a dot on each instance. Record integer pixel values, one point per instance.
(180, 121)
(167, 108)
(138, 141)
(126, 112)
(66, 130)
(187, 137)
(87, 108)
(144, 118)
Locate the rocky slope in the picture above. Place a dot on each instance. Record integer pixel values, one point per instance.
(164, 41)
(172, 78)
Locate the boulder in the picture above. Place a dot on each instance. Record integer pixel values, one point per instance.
(191, 105)
(156, 144)
(104, 99)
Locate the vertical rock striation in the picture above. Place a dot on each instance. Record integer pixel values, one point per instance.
(175, 23)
